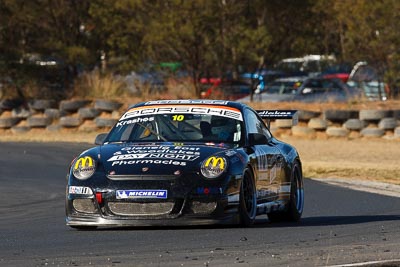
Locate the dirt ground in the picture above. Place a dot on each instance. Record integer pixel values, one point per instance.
(366, 159)
(369, 159)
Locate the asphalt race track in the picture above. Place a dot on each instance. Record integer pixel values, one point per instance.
(339, 226)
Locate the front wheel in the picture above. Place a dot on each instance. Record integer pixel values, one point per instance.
(248, 200)
(295, 206)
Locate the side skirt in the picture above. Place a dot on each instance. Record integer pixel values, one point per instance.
(268, 207)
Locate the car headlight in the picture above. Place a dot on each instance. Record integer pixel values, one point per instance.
(213, 167)
(84, 167)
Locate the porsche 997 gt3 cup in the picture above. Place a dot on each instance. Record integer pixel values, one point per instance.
(181, 162)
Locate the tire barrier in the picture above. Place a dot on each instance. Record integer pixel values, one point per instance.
(340, 115)
(100, 115)
(20, 112)
(396, 114)
(374, 115)
(20, 129)
(70, 122)
(105, 122)
(88, 113)
(317, 124)
(372, 132)
(306, 115)
(41, 104)
(73, 105)
(387, 123)
(107, 105)
(355, 124)
(8, 122)
(53, 113)
(337, 132)
(397, 132)
(39, 121)
(302, 131)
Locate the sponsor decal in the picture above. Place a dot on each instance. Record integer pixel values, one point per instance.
(84, 163)
(80, 190)
(267, 171)
(157, 152)
(148, 161)
(276, 113)
(84, 167)
(230, 153)
(262, 159)
(285, 188)
(140, 120)
(233, 198)
(209, 102)
(132, 194)
(209, 190)
(223, 111)
(127, 156)
(267, 192)
(214, 161)
(272, 174)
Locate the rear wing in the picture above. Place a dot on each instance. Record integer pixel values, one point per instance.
(279, 114)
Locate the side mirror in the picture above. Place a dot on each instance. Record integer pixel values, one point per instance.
(100, 139)
(257, 139)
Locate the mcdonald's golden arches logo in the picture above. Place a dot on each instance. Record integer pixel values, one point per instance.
(84, 167)
(84, 162)
(215, 161)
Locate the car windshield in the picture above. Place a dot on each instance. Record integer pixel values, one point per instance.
(191, 124)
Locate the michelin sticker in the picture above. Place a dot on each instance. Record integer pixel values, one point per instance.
(132, 194)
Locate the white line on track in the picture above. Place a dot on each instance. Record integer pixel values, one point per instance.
(390, 263)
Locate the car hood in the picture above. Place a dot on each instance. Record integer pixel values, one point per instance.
(155, 158)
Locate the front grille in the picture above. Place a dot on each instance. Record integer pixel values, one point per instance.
(84, 205)
(135, 209)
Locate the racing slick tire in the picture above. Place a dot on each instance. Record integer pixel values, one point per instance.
(247, 200)
(295, 206)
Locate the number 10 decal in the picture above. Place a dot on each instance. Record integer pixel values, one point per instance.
(178, 117)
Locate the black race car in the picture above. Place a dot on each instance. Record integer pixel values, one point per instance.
(180, 162)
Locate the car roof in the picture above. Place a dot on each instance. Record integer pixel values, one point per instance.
(190, 102)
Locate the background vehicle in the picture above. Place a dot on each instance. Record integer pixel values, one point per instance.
(226, 89)
(310, 65)
(306, 90)
(366, 78)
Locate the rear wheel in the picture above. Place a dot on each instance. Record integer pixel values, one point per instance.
(295, 206)
(248, 200)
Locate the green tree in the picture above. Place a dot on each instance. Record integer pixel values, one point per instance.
(365, 30)
(46, 28)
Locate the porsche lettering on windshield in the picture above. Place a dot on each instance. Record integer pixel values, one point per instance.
(209, 110)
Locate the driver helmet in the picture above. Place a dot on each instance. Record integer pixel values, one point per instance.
(223, 127)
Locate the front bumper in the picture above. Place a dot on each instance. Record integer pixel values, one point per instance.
(88, 211)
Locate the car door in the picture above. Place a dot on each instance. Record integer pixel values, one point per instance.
(266, 158)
